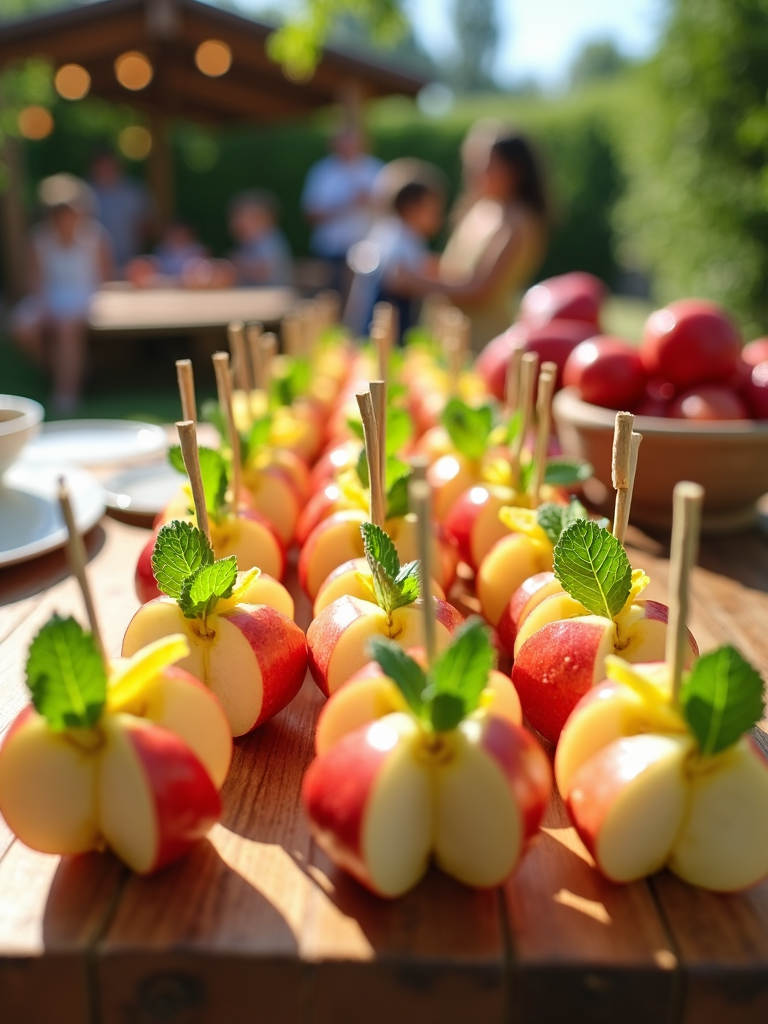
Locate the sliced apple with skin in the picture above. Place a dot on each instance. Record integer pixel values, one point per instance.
(445, 557)
(337, 640)
(273, 494)
(449, 477)
(528, 595)
(473, 520)
(628, 803)
(555, 608)
(508, 565)
(345, 579)
(252, 657)
(155, 799)
(335, 540)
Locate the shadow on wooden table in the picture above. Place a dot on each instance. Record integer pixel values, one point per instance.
(29, 578)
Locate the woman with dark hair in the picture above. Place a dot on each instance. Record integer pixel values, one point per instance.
(499, 238)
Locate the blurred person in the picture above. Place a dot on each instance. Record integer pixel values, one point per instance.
(69, 258)
(337, 201)
(124, 207)
(412, 196)
(263, 255)
(177, 247)
(498, 241)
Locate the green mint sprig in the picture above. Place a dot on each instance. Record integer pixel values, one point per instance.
(554, 519)
(721, 698)
(215, 476)
(184, 568)
(469, 428)
(251, 440)
(66, 675)
(397, 475)
(399, 428)
(445, 695)
(394, 586)
(592, 566)
(563, 471)
(290, 379)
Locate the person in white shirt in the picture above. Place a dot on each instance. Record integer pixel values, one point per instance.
(337, 201)
(124, 207)
(412, 195)
(69, 258)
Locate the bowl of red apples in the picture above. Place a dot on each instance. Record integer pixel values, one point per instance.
(700, 400)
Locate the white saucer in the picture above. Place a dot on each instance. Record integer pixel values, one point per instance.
(96, 442)
(31, 523)
(144, 490)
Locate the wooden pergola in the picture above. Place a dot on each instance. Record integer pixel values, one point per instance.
(168, 33)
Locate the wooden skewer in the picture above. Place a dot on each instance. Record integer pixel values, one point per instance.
(452, 349)
(380, 339)
(512, 382)
(240, 369)
(370, 433)
(547, 378)
(186, 379)
(188, 441)
(626, 444)
(686, 526)
(291, 333)
(420, 501)
(330, 305)
(268, 351)
(528, 375)
(378, 389)
(252, 334)
(419, 465)
(77, 561)
(224, 389)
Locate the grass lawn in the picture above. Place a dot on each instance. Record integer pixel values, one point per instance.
(145, 387)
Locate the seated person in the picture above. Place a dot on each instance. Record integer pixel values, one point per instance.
(413, 193)
(70, 256)
(177, 248)
(263, 255)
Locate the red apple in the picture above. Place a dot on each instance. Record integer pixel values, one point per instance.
(531, 592)
(755, 352)
(573, 296)
(709, 402)
(607, 371)
(690, 342)
(473, 521)
(755, 391)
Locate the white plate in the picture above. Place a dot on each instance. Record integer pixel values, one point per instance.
(96, 442)
(145, 490)
(30, 518)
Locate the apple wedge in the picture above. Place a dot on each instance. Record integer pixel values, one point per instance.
(346, 579)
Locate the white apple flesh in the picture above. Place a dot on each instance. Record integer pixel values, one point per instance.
(505, 568)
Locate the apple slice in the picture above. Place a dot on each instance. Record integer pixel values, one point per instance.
(505, 568)
(273, 494)
(528, 595)
(155, 799)
(628, 803)
(473, 521)
(345, 579)
(723, 842)
(555, 608)
(369, 799)
(334, 540)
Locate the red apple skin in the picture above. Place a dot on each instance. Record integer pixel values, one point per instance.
(280, 647)
(573, 296)
(755, 352)
(690, 342)
(660, 612)
(607, 371)
(709, 402)
(525, 766)
(510, 617)
(321, 505)
(308, 548)
(335, 794)
(542, 664)
(186, 800)
(491, 364)
(144, 578)
(755, 391)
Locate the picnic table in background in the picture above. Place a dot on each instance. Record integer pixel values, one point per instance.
(257, 924)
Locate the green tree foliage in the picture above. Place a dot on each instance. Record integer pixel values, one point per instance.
(697, 158)
(598, 60)
(477, 32)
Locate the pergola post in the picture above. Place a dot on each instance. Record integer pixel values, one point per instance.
(13, 227)
(160, 169)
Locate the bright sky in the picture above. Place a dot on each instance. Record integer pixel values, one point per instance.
(539, 38)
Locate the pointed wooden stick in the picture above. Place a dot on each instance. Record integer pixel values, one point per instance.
(330, 306)
(378, 391)
(419, 466)
(370, 433)
(290, 330)
(224, 389)
(512, 382)
(268, 351)
(626, 444)
(186, 379)
(452, 349)
(420, 502)
(528, 375)
(686, 526)
(547, 378)
(77, 562)
(380, 339)
(188, 441)
(240, 370)
(252, 334)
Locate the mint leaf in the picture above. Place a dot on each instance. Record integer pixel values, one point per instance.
(593, 568)
(397, 497)
(553, 519)
(408, 582)
(564, 471)
(203, 589)
(213, 470)
(399, 429)
(291, 376)
(66, 675)
(393, 587)
(514, 425)
(459, 676)
(406, 673)
(180, 550)
(468, 428)
(214, 414)
(721, 699)
(255, 438)
(355, 426)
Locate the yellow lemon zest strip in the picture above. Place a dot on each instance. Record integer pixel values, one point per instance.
(128, 676)
(523, 520)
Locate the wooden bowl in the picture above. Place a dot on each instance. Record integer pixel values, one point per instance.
(20, 420)
(729, 458)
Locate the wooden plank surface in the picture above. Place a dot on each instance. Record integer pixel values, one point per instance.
(257, 916)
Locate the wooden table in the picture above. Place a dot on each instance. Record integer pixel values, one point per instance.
(256, 925)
